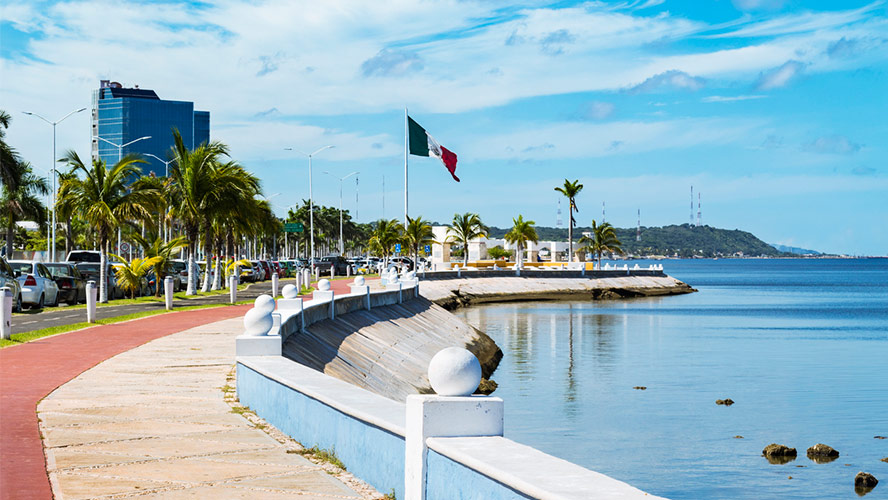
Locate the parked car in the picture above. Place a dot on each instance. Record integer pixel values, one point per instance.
(72, 286)
(8, 280)
(402, 261)
(266, 269)
(338, 263)
(38, 287)
(291, 267)
(90, 272)
(179, 270)
(247, 274)
(75, 256)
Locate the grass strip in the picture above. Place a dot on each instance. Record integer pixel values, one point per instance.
(21, 338)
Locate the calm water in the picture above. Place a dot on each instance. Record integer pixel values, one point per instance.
(801, 346)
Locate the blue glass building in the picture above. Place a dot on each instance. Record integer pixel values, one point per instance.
(121, 115)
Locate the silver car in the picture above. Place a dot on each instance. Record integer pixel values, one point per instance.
(8, 280)
(38, 286)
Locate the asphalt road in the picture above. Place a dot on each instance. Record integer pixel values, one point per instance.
(62, 315)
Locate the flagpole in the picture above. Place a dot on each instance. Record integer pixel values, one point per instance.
(406, 154)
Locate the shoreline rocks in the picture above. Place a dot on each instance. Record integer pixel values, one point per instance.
(779, 454)
(725, 402)
(864, 482)
(822, 454)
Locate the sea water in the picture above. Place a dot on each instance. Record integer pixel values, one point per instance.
(801, 346)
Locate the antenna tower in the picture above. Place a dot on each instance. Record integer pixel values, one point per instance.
(692, 205)
(638, 227)
(558, 221)
(602, 212)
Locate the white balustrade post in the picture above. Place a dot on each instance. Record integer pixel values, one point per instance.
(168, 293)
(332, 272)
(91, 292)
(274, 284)
(232, 289)
(261, 335)
(325, 293)
(5, 313)
(454, 374)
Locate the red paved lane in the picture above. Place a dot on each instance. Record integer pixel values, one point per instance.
(30, 371)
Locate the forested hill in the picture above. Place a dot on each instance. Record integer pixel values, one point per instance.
(685, 240)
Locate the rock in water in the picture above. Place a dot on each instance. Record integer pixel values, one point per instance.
(822, 454)
(885, 459)
(640, 388)
(726, 402)
(864, 482)
(779, 454)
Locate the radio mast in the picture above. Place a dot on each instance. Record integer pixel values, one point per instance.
(638, 227)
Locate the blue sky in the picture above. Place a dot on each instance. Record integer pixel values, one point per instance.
(774, 110)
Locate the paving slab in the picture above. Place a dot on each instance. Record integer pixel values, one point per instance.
(152, 422)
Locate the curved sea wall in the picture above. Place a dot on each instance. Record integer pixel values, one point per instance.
(451, 291)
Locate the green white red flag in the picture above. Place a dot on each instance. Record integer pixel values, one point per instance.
(423, 144)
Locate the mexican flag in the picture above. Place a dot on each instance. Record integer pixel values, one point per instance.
(423, 144)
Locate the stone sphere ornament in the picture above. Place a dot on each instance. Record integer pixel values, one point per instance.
(264, 302)
(257, 322)
(359, 281)
(289, 291)
(411, 275)
(454, 371)
(324, 285)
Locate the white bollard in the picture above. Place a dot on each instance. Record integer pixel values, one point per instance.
(91, 292)
(348, 271)
(274, 285)
(232, 289)
(168, 293)
(332, 272)
(455, 372)
(299, 280)
(5, 313)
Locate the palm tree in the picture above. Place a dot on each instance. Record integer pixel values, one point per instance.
(194, 191)
(418, 233)
(604, 239)
(570, 190)
(20, 200)
(385, 235)
(130, 274)
(156, 247)
(522, 231)
(103, 200)
(8, 156)
(466, 227)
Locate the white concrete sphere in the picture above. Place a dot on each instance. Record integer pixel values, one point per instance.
(454, 371)
(359, 281)
(289, 291)
(265, 303)
(324, 285)
(257, 322)
(410, 275)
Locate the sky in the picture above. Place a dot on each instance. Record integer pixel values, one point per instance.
(773, 110)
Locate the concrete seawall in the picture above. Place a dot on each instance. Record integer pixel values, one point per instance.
(475, 288)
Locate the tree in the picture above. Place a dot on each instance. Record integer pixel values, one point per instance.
(20, 200)
(102, 198)
(498, 252)
(466, 227)
(604, 239)
(8, 156)
(570, 190)
(194, 191)
(522, 231)
(385, 235)
(130, 274)
(418, 233)
(163, 251)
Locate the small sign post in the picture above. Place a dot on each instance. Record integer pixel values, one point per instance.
(294, 227)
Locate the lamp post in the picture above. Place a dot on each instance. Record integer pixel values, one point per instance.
(310, 199)
(166, 167)
(54, 192)
(341, 241)
(120, 157)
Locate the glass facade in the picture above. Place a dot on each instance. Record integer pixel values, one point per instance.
(121, 115)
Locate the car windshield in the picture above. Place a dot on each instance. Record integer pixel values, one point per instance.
(22, 267)
(88, 268)
(84, 257)
(177, 266)
(58, 270)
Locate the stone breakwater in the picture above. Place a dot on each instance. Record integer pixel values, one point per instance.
(459, 292)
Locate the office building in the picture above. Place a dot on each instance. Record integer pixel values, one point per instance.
(121, 115)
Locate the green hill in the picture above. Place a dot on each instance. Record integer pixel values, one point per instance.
(684, 240)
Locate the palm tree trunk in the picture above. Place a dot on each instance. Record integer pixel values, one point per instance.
(10, 234)
(519, 253)
(209, 260)
(217, 277)
(570, 237)
(191, 274)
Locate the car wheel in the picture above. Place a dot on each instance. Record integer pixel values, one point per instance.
(57, 298)
(18, 304)
(40, 303)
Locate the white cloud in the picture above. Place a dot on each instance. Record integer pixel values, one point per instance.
(779, 77)
(720, 98)
(832, 144)
(670, 80)
(597, 110)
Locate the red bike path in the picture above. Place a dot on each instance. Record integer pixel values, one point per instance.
(30, 371)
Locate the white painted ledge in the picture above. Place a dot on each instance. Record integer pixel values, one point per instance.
(531, 471)
(351, 400)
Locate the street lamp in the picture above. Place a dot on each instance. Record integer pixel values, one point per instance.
(341, 241)
(166, 166)
(310, 199)
(53, 199)
(120, 157)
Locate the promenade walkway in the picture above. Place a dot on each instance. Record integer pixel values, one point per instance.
(31, 371)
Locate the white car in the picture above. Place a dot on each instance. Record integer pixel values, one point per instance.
(38, 287)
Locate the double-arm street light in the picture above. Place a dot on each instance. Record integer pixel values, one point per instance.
(341, 241)
(310, 199)
(53, 199)
(120, 157)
